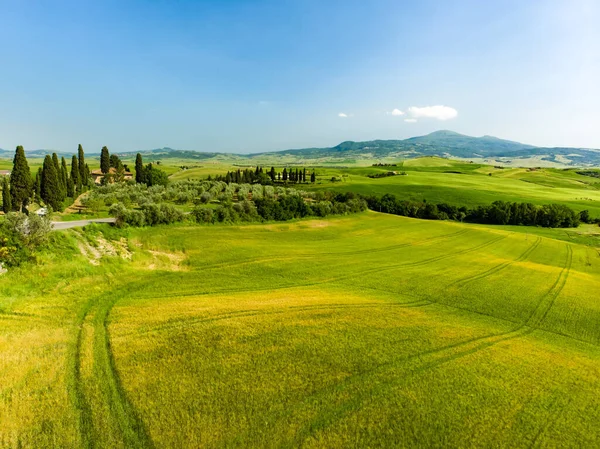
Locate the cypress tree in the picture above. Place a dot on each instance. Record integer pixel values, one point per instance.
(64, 174)
(75, 176)
(297, 176)
(272, 173)
(313, 177)
(21, 183)
(86, 176)
(139, 169)
(70, 188)
(81, 159)
(37, 184)
(304, 175)
(61, 191)
(55, 161)
(104, 160)
(50, 184)
(6, 199)
(285, 176)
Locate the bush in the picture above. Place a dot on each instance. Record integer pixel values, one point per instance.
(203, 215)
(21, 236)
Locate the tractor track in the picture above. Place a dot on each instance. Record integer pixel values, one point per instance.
(428, 360)
(361, 272)
(496, 269)
(121, 412)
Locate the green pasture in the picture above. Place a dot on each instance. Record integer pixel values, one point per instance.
(439, 180)
(364, 331)
(458, 183)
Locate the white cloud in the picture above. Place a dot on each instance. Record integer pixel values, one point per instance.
(397, 112)
(439, 112)
(410, 120)
(341, 114)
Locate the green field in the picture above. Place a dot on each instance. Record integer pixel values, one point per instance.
(360, 331)
(443, 180)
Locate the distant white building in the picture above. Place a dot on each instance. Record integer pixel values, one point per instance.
(42, 212)
(4, 172)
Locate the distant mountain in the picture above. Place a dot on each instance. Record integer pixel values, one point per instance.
(442, 143)
(448, 144)
(34, 154)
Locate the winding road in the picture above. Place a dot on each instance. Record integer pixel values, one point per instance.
(60, 225)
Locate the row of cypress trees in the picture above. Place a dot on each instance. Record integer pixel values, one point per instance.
(259, 176)
(52, 184)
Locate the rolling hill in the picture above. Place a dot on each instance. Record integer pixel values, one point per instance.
(444, 143)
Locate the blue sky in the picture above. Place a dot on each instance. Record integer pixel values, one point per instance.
(247, 76)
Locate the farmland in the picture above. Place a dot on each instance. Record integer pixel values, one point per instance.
(440, 180)
(363, 330)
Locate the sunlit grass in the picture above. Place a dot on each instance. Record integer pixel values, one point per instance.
(361, 331)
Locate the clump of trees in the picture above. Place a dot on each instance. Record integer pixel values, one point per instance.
(56, 186)
(217, 201)
(149, 174)
(53, 184)
(499, 212)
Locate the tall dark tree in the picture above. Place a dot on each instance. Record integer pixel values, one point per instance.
(6, 199)
(71, 188)
(115, 161)
(75, 176)
(272, 173)
(139, 169)
(81, 161)
(285, 175)
(313, 177)
(104, 160)
(50, 184)
(62, 190)
(21, 183)
(297, 176)
(64, 174)
(55, 162)
(304, 175)
(37, 184)
(86, 175)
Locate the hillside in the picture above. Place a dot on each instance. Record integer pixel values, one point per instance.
(454, 145)
(487, 149)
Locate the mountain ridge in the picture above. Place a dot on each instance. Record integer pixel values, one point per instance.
(443, 143)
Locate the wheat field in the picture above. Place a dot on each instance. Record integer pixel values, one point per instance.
(360, 331)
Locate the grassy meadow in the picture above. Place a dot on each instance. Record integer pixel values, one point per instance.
(366, 330)
(439, 180)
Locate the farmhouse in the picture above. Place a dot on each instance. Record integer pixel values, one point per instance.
(97, 175)
(4, 172)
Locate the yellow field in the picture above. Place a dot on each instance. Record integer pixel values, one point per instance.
(357, 331)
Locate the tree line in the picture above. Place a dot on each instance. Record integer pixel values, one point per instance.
(260, 176)
(498, 213)
(53, 183)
